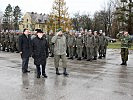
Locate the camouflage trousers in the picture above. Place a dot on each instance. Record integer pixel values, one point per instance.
(79, 51)
(101, 50)
(124, 54)
(84, 53)
(70, 51)
(89, 51)
(95, 51)
(12, 46)
(7, 44)
(104, 51)
(57, 59)
(3, 45)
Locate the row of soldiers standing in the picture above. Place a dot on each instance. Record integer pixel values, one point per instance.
(9, 41)
(80, 45)
(83, 45)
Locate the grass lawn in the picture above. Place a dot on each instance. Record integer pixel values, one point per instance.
(117, 45)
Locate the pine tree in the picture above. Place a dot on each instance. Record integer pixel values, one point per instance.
(125, 15)
(7, 18)
(17, 15)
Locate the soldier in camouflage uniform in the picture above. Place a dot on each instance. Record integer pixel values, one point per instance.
(51, 46)
(105, 46)
(12, 43)
(66, 35)
(84, 47)
(125, 44)
(79, 45)
(101, 44)
(7, 42)
(96, 45)
(75, 48)
(3, 41)
(89, 43)
(16, 39)
(59, 41)
(71, 44)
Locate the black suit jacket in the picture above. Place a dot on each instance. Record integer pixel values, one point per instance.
(25, 45)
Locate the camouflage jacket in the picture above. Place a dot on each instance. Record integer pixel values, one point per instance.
(71, 41)
(79, 42)
(89, 41)
(59, 44)
(125, 40)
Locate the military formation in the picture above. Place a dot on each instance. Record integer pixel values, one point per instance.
(80, 45)
(86, 45)
(9, 41)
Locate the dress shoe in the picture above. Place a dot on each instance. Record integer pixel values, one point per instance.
(27, 71)
(38, 76)
(44, 76)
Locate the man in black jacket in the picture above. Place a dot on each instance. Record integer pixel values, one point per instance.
(40, 53)
(25, 49)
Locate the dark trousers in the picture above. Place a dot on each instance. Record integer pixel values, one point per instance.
(25, 62)
(38, 68)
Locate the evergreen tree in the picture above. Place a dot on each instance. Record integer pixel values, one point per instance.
(7, 18)
(17, 15)
(125, 15)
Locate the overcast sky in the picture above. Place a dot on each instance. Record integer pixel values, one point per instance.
(45, 6)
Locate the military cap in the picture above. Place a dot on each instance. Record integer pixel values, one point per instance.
(59, 29)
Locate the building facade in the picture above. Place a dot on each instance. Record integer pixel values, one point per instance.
(33, 21)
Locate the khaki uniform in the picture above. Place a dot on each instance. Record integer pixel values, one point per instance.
(71, 44)
(84, 47)
(105, 47)
(89, 43)
(79, 45)
(12, 42)
(101, 45)
(59, 50)
(3, 41)
(16, 39)
(96, 45)
(7, 41)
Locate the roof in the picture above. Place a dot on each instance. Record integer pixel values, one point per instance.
(38, 18)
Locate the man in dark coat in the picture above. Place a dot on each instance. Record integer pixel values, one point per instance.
(25, 49)
(40, 53)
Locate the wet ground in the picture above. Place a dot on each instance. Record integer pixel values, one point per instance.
(98, 80)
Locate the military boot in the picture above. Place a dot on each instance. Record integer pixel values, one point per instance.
(65, 72)
(95, 58)
(79, 58)
(57, 71)
(123, 63)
